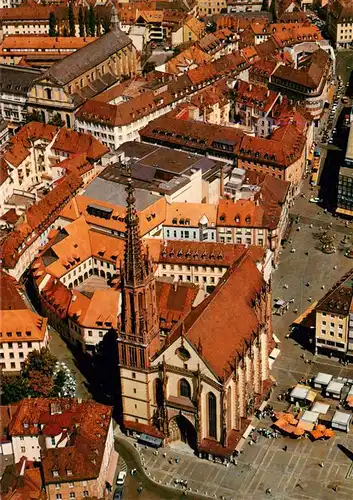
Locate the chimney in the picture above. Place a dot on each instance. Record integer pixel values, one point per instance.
(268, 93)
(221, 182)
(250, 87)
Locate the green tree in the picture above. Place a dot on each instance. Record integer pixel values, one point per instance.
(52, 24)
(149, 66)
(14, 389)
(91, 21)
(71, 17)
(81, 22)
(56, 120)
(42, 361)
(59, 381)
(35, 116)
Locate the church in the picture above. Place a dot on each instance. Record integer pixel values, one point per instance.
(201, 382)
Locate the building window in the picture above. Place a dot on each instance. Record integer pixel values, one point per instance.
(23, 449)
(71, 485)
(58, 496)
(57, 486)
(90, 333)
(85, 493)
(133, 375)
(53, 441)
(212, 415)
(72, 494)
(184, 388)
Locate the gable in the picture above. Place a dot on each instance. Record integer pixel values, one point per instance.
(171, 356)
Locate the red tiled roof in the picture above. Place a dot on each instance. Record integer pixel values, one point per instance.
(174, 301)
(10, 299)
(86, 424)
(72, 142)
(39, 216)
(196, 253)
(143, 428)
(228, 312)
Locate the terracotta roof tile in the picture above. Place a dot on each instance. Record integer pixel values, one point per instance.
(227, 312)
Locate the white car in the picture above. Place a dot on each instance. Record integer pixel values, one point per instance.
(120, 480)
(315, 200)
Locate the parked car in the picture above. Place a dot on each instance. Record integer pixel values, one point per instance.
(315, 200)
(120, 480)
(118, 494)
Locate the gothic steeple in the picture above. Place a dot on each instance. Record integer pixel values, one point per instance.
(134, 264)
(139, 317)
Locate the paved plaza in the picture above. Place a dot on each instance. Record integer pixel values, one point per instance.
(293, 474)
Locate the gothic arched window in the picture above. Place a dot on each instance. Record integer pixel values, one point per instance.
(212, 415)
(184, 388)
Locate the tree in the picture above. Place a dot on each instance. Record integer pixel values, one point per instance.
(59, 382)
(42, 361)
(40, 384)
(81, 22)
(56, 120)
(13, 389)
(35, 116)
(71, 17)
(52, 24)
(149, 66)
(91, 19)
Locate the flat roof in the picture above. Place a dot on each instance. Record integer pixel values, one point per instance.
(335, 387)
(310, 416)
(323, 378)
(300, 392)
(322, 408)
(346, 171)
(341, 417)
(113, 192)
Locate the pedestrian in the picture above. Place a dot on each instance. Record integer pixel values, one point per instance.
(321, 464)
(335, 267)
(322, 287)
(335, 488)
(285, 448)
(268, 491)
(310, 299)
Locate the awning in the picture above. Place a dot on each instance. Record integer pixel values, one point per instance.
(343, 211)
(305, 313)
(248, 430)
(275, 353)
(150, 440)
(275, 338)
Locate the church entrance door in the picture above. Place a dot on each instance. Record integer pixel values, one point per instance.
(181, 429)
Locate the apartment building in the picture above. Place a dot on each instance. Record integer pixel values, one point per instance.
(21, 330)
(38, 156)
(72, 439)
(20, 246)
(190, 222)
(345, 181)
(334, 319)
(252, 107)
(340, 22)
(15, 82)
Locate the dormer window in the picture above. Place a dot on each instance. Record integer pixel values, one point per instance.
(69, 472)
(55, 473)
(25, 425)
(248, 219)
(175, 220)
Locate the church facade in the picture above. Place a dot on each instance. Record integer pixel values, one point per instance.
(202, 382)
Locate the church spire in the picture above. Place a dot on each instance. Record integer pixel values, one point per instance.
(134, 265)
